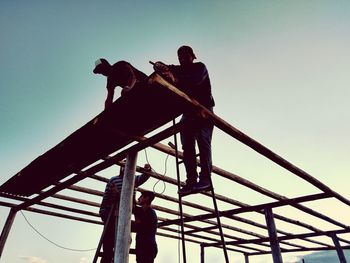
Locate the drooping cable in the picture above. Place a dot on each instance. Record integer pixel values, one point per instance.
(165, 171)
(57, 245)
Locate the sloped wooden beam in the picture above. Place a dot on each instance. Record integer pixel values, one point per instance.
(255, 145)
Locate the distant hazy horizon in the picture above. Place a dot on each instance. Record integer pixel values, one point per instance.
(323, 257)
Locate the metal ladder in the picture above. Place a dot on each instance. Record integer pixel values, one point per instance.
(217, 213)
(99, 253)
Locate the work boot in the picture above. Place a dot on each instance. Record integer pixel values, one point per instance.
(187, 188)
(202, 185)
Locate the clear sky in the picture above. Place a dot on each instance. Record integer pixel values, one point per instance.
(279, 71)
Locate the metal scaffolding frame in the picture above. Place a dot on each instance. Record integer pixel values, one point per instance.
(248, 241)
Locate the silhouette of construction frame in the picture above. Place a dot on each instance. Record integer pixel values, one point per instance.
(275, 243)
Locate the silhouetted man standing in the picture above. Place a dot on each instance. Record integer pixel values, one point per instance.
(193, 79)
(146, 228)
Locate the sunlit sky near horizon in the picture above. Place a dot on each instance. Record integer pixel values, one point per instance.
(279, 71)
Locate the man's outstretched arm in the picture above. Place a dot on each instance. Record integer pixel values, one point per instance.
(142, 178)
(110, 95)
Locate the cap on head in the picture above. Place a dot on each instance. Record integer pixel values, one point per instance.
(187, 50)
(101, 66)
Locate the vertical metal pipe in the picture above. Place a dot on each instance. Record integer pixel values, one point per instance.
(202, 253)
(6, 230)
(271, 227)
(219, 222)
(340, 252)
(180, 198)
(122, 247)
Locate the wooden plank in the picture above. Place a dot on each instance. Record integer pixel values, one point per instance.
(98, 167)
(140, 111)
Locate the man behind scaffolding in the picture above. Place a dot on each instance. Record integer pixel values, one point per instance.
(146, 228)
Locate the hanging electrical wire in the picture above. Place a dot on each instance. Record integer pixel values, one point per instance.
(165, 171)
(57, 245)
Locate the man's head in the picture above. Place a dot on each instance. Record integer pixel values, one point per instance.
(185, 55)
(102, 67)
(146, 198)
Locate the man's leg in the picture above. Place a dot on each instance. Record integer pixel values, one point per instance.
(204, 136)
(189, 158)
(146, 257)
(108, 242)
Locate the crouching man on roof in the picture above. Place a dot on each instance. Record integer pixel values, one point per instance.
(109, 209)
(146, 228)
(121, 74)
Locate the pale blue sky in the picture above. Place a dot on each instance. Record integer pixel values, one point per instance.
(279, 70)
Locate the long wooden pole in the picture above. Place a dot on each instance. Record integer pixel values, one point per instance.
(121, 252)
